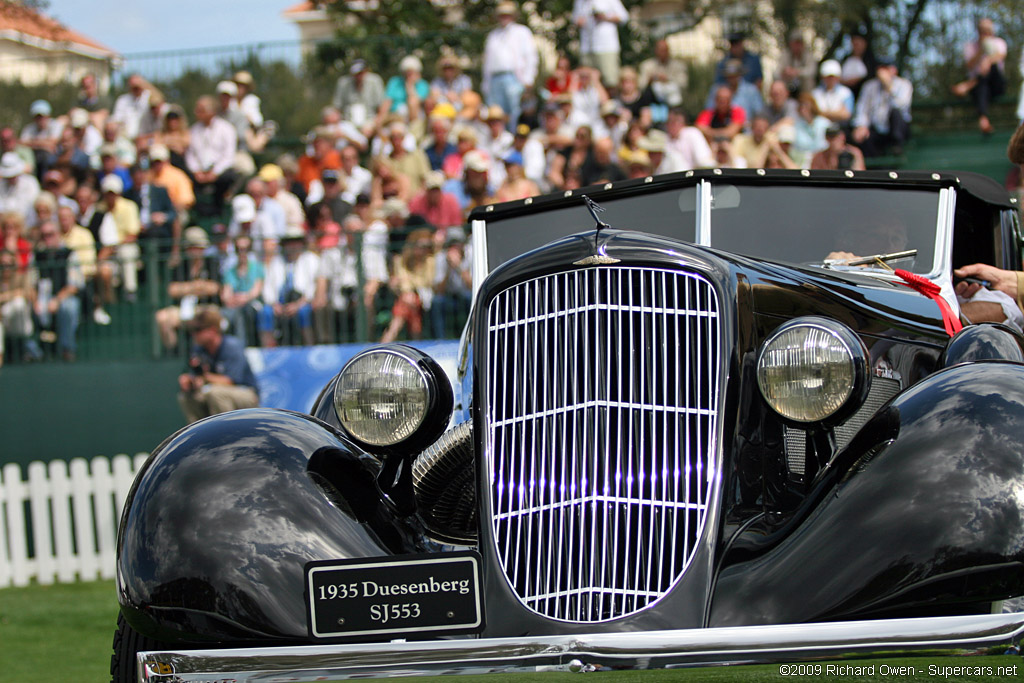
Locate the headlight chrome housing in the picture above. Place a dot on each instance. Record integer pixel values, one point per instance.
(813, 369)
(393, 397)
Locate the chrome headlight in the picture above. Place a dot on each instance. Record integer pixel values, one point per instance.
(393, 396)
(813, 369)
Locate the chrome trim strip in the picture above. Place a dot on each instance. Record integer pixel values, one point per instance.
(478, 238)
(646, 650)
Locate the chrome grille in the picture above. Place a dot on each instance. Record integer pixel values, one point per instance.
(601, 435)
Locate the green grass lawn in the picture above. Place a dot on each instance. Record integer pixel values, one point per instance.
(54, 633)
(63, 633)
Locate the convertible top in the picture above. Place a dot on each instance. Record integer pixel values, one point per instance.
(980, 186)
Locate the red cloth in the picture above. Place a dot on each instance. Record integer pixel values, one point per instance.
(931, 290)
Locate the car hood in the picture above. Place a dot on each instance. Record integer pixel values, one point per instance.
(873, 304)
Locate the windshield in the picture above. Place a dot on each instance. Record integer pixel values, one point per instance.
(809, 225)
(796, 223)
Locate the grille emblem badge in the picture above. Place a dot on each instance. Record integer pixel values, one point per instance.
(596, 260)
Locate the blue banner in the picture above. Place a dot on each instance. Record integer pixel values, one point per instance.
(291, 377)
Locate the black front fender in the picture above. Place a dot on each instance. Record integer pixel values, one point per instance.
(924, 507)
(226, 513)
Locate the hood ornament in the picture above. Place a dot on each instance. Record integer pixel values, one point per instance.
(600, 258)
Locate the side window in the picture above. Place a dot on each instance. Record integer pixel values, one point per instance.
(977, 233)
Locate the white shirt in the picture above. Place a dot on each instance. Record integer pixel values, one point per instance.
(510, 48)
(876, 102)
(212, 147)
(19, 196)
(832, 100)
(689, 150)
(128, 111)
(304, 269)
(250, 107)
(599, 37)
(338, 267)
(358, 182)
(375, 251)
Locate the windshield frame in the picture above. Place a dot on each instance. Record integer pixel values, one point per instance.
(482, 223)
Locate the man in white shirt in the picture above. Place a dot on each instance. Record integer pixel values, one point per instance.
(130, 107)
(18, 188)
(834, 100)
(686, 148)
(210, 156)
(509, 64)
(598, 22)
(882, 121)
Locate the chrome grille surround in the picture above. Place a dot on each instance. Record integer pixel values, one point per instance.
(601, 435)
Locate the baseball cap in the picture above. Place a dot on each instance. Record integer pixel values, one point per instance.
(495, 113)
(112, 183)
(522, 130)
(108, 149)
(443, 110)
(11, 165)
(159, 152)
(506, 8)
(78, 118)
(269, 172)
(474, 160)
(227, 88)
(394, 207)
(830, 67)
(513, 157)
(243, 77)
(195, 236)
(243, 208)
(330, 175)
(434, 180)
(40, 108)
(410, 63)
(358, 66)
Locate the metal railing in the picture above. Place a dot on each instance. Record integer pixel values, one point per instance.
(132, 331)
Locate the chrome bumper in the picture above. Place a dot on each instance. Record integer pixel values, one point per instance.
(601, 651)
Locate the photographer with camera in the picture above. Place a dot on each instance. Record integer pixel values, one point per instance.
(838, 156)
(219, 377)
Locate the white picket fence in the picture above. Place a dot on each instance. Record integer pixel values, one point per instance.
(60, 524)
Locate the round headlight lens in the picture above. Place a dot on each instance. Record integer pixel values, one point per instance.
(381, 398)
(806, 372)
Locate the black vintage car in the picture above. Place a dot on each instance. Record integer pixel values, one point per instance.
(734, 416)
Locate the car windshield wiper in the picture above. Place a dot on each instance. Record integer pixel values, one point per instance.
(879, 259)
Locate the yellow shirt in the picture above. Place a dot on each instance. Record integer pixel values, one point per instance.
(80, 241)
(125, 213)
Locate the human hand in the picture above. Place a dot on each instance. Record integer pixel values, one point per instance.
(1001, 280)
(454, 257)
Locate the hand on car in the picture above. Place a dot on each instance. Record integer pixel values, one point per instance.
(1002, 280)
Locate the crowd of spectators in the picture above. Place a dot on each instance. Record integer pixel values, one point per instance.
(366, 219)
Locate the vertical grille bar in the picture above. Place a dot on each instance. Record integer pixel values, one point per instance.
(601, 420)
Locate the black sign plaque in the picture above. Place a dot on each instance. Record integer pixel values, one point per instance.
(394, 596)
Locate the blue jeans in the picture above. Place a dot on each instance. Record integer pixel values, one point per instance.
(507, 92)
(266, 317)
(68, 315)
